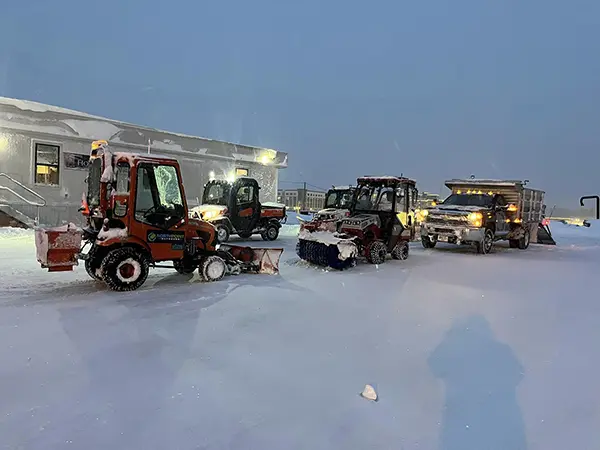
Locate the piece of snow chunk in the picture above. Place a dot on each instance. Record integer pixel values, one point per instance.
(369, 393)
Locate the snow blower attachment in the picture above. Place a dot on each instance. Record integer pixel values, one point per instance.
(380, 221)
(137, 216)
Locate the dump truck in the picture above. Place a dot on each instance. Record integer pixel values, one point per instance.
(137, 217)
(234, 208)
(336, 206)
(381, 222)
(480, 212)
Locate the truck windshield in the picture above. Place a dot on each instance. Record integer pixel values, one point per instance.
(338, 199)
(469, 200)
(216, 194)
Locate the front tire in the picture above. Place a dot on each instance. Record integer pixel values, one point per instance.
(427, 242)
(222, 233)
(376, 252)
(212, 268)
(486, 245)
(400, 251)
(271, 233)
(125, 269)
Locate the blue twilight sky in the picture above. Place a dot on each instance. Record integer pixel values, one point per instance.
(431, 89)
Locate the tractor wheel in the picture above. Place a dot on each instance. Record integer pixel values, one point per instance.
(524, 241)
(271, 233)
(212, 268)
(427, 242)
(486, 245)
(92, 264)
(222, 233)
(376, 252)
(400, 251)
(245, 234)
(184, 266)
(125, 269)
(513, 243)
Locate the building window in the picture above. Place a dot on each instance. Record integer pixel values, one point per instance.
(240, 172)
(47, 158)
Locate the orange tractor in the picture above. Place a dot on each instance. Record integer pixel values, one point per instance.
(137, 216)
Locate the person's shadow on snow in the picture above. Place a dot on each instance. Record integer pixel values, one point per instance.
(481, 376)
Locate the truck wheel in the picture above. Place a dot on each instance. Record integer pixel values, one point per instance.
(427, 242)
(513, 243)
(376, 252)
(222, 233)
(524, 241)
(212, 268)
(271, 233)
(400, 251)
(184, 266)
(245, 235)
(125, 269)
(485, 247)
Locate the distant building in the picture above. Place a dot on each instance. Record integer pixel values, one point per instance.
(427, 200)
(301, 199)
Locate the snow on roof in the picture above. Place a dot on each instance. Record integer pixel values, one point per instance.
(375, 179)
(342, 188)
(30, 116)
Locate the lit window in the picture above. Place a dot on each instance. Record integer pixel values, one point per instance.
(47, 164)
(239, 172)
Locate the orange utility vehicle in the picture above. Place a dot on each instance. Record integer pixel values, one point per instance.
(137, 216)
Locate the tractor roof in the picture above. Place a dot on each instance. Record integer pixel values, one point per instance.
(142, 157)
(385, 180)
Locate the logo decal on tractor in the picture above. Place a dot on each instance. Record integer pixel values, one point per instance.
(166, 237)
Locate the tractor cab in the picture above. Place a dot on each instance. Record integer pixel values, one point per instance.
(391, 200)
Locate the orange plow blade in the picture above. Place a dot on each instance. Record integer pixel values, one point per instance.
(258, 260)
(57, 248)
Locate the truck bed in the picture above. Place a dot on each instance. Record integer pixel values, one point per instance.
(529, 202)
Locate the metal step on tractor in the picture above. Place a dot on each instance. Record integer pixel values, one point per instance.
(136, 218)
(381, 221)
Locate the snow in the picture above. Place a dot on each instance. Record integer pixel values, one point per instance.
(273, 204)
(346, 248)
(112, 233)
(464, 352)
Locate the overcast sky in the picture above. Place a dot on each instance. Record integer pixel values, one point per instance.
(431, 89)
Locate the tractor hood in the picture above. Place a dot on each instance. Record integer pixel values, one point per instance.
(331, 214)
(208, 212)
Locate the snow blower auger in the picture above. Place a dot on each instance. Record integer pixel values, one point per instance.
(380, 221)
(137, 216)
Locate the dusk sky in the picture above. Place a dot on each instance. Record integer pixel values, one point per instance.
(429, 89)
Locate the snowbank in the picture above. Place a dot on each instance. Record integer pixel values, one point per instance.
(13, 232)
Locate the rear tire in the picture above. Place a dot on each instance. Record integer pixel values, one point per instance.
(212, 268)
(400, 251)
(125, 269)
(376, 252)
(427, 242)
(222, 233)
(271, 233)
(485, 247)
(523, 243)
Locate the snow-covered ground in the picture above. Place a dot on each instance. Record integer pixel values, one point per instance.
(465, 352)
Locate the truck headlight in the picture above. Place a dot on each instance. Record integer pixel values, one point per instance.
(475, 218)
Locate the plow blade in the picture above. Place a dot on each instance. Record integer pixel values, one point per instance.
(57, 248)
(255, 260)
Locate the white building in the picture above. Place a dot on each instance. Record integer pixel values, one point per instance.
(44, 152)
(302, 199)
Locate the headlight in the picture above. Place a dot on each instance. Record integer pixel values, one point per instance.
(476, 219)
(208, 215)
(423, 214)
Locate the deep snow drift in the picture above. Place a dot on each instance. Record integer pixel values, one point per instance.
(464, 351)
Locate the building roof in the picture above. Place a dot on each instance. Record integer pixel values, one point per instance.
(34, 117)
